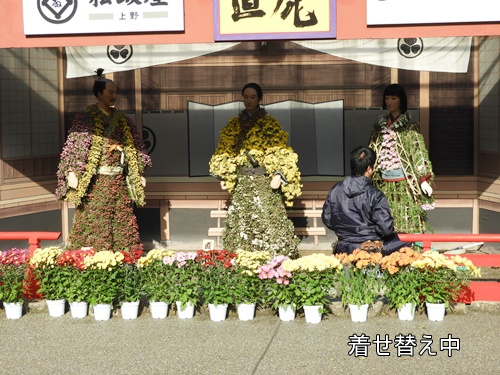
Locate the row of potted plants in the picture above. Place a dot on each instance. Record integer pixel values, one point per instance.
(219, 278)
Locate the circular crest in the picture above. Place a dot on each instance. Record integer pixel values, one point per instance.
(120, 54)
(149, 139)
(410, 47)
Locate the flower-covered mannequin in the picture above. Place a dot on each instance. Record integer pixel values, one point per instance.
(255, 165)
(101, 172)
(403, 171)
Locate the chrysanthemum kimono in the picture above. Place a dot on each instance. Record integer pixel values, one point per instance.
(251, 150)
(108, 157)
(402, 165)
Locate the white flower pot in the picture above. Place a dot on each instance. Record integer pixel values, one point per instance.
(185, 313)
(407, 311)
(246, 311)
(286, 313)
(312, 314)
(102, 311)
(13, 310)
(159, 310)
(435, 311)
(359, 314)
(217, 312)
(130, 310)
(56, 308)
(78, 309)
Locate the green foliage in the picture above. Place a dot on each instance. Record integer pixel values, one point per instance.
(312, 288)
(130, 287)
(281, 294)
(12, 282)
(186, 289)
(248, 288)
(359, 286)
(156, 281)
(53, 281)
(78, 286)
(186, 285)
(105, 285)
(441, 285)
(218, 285)
(403, 287)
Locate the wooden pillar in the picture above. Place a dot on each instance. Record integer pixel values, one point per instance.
(475, 78)
(475, 57)
(165, 220)
(65, 222)
(475, 216)
(138, 100)
(394, 75)
(424, 106)
(62, 136)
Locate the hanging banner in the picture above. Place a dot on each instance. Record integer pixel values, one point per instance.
(406, 12)
(279, 19)
(51, 17)
(426, 54)
(83, 61)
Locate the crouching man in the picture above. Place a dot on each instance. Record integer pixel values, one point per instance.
(357, 211)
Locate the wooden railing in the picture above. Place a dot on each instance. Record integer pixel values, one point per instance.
(428, 238)
(313, 230)
(33, 238)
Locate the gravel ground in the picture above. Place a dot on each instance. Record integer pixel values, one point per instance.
(39, 344)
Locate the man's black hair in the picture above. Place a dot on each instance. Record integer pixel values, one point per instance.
(100, 82)
(361, 158)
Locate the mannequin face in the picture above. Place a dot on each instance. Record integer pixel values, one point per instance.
(393, 104)
(107, 98)
(251, 100)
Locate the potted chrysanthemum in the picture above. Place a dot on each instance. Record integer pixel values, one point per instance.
(51, 278)
(156, 281)
(13, 265)
(185, 285)
(248, 289)
(313, 276)
(78, 287)
(279, 287)
(217, 280)
(130, 290)
(103, 270)
(359, 282)
(442, 279)
(401, 281)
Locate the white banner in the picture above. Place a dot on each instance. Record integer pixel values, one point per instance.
(423, 54)
(50, 17)
(84, 61)
(407, 12)
(426, 54)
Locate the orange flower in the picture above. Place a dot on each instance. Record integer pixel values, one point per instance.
(402, 258)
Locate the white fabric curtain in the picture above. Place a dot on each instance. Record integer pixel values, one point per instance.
(83, 61)
(427, 54)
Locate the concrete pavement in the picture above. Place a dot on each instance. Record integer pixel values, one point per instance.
(39, 344)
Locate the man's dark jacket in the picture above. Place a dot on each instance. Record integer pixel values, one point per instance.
(357, 212)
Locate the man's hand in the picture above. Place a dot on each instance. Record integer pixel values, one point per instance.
(72, 179)
(426, 188)
(276, 181)
(223, 185)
